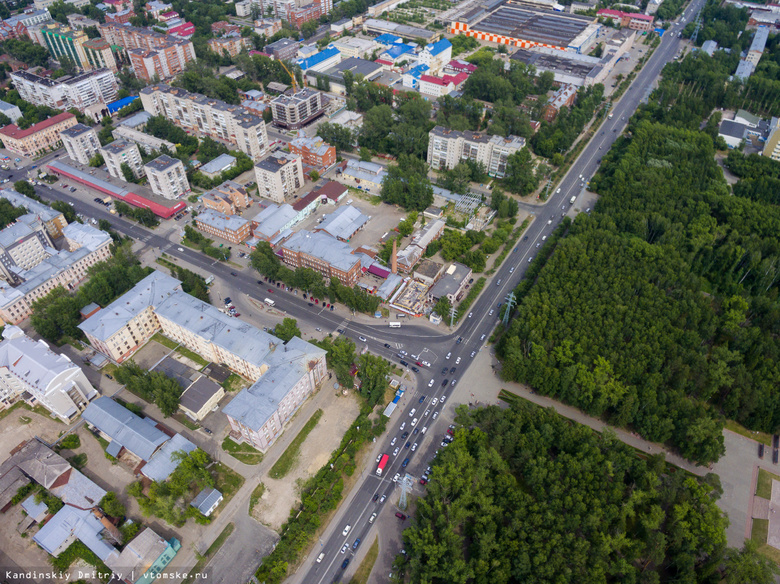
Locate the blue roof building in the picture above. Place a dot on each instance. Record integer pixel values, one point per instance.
(398, 52)
(321, 61)
(412, 77)
(206, 501)
(438, 47)
(387, 39)
(117, 105)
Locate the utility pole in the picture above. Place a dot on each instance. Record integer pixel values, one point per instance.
(696, 29)
(510, 303)
(453, 314)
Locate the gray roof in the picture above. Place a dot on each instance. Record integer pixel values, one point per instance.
(337, 253)
(118, 146)
(451, 280)
(370, 171)
(124, 427)
(274, 218)
(254, 405)
(343, 222)
(759, 40)
(68, 522)
(162, 464)
(744, 70)
(275, 161)
(33, 509)
(230, 334)
(219, 164)
(148, 292)
(14, 232)
(76, 130)
(162, 162)
(137, 119)
(368, 69)
(198, 394)
(44, 212)
(732, 129)
(206, 499)
(221, 221)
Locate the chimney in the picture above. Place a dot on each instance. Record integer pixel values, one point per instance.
(394, 258)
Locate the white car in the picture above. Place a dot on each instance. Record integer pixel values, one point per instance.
(392, 443)
(511, 270)
(402, 426)
(382, 498)
(457, 361)
(430, 383)
(378, 458)
(346, 530)
(395, 452)
(412, 412)
(371, 519)
(491, 312)
(319, 557)
(435, 415)
(363, 339)
(414, 422)
(448, 355)
(482, 338)
(414, 446)
(402, 353)
(473, 353)
(471, 314)
(434, 401)
(396, 477)
(427, 412)
(426, 363)
(442, 400)
(345, 548)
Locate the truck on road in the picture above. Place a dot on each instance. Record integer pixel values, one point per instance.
(382, 464)
(269, 302)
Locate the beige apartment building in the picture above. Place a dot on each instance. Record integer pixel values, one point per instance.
(205, 116)
(80, 91)
(167, 177)
(278, 175)
(121, 151)
(228, 198)
(446, 148)
(38, 138)
(230, 45)
(146, 142)
(232, 228)
(81, 142)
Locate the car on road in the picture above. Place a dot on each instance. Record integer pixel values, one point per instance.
(427, 412)
(396, 451)
(376, 496)
(415, 369)
(387, 346)
(404, 463)
(382, 499)
(530, 259)
(344, 564)
(473, 353)
(392, 442)
(443, 398)
(453, 382)
(414, 422)
(396, 477)
(448, 355)
(414, 446)
(444, 371)
(356, 544)
(426, 364)
(345, 548)
(412, 412)
(430, 383)
(422, 399)
(452, 370)
(408, 444)
(363, 339)
(416, 430)
(511, 270)
(459, 341)
(457, 361)
(402, 353)
(443, 382)
(471, 314)
(434, 401)
(525, 238)
(340, 331)
(491, 312)
(405, 435)
(404, 363)
(482, 338)
(371, 519)
(435, 415)
(319, 557)
(346, 530)
(233, 274)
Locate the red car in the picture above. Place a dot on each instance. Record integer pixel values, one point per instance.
(418, 363)
(316, 301)
(450, 432)
(401, 516)
(423, 482)
(271, 291)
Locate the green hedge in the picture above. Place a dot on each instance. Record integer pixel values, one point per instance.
(470, 298)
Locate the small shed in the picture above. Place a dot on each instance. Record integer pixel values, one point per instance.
(207, 500)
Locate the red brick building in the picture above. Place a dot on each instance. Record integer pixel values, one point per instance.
(314, 151)
(632, 20)
(565, 96)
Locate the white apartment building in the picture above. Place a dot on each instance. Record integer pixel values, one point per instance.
(167, 177)
(294, 111)
(202, 115)
(436, 56)
(120, 152)
(86, 246)
(79, 91)
(52, 380)
(146, 142)
(81, 143)
(355, 47)
(125, 325)
(279, 175)
(448, 147)
(23, 245)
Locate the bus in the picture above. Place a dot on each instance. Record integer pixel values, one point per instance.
(395, 324)
(269, 302)
(382, 464)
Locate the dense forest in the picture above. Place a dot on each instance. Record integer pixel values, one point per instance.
(659, 311)
(523, 495)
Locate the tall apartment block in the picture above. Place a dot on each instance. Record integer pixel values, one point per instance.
(167, 177)
(63, 41)
(81, 142)
(448, 147)
(152, 54)
(205, 116)
(79, 91)
(294, 111)
(121, 152)
(278, 175)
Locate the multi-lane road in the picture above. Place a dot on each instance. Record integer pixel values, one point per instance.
(426, 344)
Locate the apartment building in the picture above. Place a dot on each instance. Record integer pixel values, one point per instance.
(283, 49)
(99, 55)
(229, 227)
(436, 56)
(79, 91)
(125, 325)
(228, 198)
(51, 380)
(167, 177)
(79, 21)
(86, 246)
(232, 45)
(121, 152)
(202, 115)
(772, 147)
(314, 152)
(564, 96)
(330, 257)
(121, 17)
(38, 138)
(293, 111)
(155, 8)
(146, 142)
(53, 221)
(448, 147)
(279, 175)
(11, 111)
(81, 142)
(23, 245)
(152, 55)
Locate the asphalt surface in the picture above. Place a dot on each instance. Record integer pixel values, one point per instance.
(452, 349)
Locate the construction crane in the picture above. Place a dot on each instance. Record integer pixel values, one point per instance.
(292, 77)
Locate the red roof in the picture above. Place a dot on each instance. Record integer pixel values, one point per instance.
(304, 201)
(13, 131)
(619, 14)
(610, 12)
(638, 16)
(332, 189)
(456, 79)
(432, 79)
(383, 62)
(462, 65)
(186, 29)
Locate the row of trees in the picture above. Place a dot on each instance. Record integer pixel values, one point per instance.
(153, 386)
(524, 495)
(195, 238)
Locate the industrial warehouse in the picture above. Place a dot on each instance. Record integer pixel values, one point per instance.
(525, 24)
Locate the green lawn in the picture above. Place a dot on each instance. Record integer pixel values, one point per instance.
(256, 495)
(213, 549)
(289, 457)
(762, 437)
(243, 452)
(233, 383)
(185, 420)
(760, 531)
(184, 351)
(40, 410)
(227, 482)
(364, 570)
(764, 483)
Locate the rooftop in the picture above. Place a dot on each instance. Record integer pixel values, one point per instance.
(315, 145)
(76, 130)
(733, 129)
(162, 463)
(221, 221)
(219, 164)
(343, 222)
(438, 47)
(41, 210)
(13, 131)
(206, 499)
(162, 162)
(118, 146)
(273, 219)
(69, 522)
(275, 161)
(198, 394)
(336, 253)
(397, 50)
(368, 69)
(450, 281)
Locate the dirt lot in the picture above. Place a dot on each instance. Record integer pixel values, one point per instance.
(21, 424)
(280, 495)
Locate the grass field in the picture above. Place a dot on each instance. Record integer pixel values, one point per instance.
(256, 495)
(243, 452)
(764, 483)
(289, 457)
(227, 481)
(184, 351)
(364, 570)
(759, 535)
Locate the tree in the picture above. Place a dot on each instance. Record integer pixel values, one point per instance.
(127, 172)
(407, 184)
(374, 372)
(24, 188)
(748, 566)
(339, 136)
(378, 123)
(111, 505)
(365, 155)
(308, 28)
(520, 176)
(97, 160)
(314, 175)
(287, 329)
(406, 227)
(443, 307)
(66, 209)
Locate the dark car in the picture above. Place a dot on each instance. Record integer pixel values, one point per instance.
(444, 371)
(344, 564)
(416, 430)
(376, 496)
(387, 346)
(404, 363)
(459, 341)
(407, 445)
(444, 382)
(415, 369)
(311, 303)
(107, 375)
(404, 436)
(404, 463)
(401, 516)
(228, 300)
(233, 274)
(761, 451)
(525, 238)
(422, 399)
(452, 370)
(356, 544)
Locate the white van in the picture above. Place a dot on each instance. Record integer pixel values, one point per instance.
(319, 557)
(425, 428)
